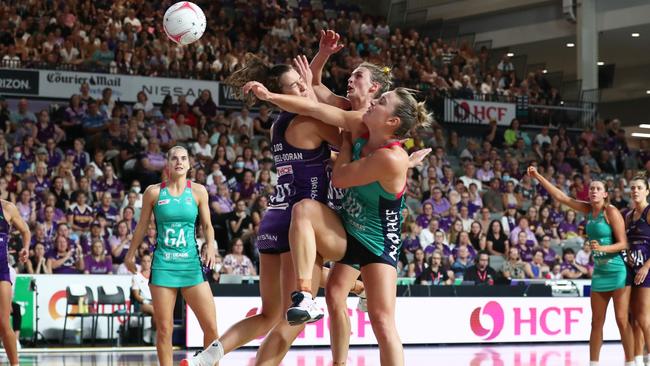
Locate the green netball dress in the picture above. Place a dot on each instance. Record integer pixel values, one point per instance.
(176, 260)
(372, 218)
(610, 272)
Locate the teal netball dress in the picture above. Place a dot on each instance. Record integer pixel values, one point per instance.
(610, 272)
(176, 260)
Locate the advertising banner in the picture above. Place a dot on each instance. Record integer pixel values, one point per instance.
(62, 84)
(19, 82)
(478, 112)
(52, 302)
(24, 296)
(435, 320)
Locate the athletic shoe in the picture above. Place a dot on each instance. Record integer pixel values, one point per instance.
(303, 309)
(207, 357)
(362, 305)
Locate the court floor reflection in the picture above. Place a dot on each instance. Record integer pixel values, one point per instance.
(518, 355)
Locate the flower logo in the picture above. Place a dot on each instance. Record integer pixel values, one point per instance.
(494, 311)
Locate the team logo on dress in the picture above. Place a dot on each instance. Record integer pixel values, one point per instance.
(283, 170)
(163, 202)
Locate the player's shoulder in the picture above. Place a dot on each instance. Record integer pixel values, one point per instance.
(198, 188)
(152, 190)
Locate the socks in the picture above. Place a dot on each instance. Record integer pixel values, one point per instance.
(304, 284)
(646, 359)
(593, 363)
(631, 363)
(215, 350)
(638, 360)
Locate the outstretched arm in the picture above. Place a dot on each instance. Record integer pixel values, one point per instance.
(348, 120)
(329, 45)
(557, 194)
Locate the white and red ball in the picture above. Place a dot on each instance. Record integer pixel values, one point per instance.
(184, 22)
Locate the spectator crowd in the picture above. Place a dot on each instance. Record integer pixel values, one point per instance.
(127, 38)
(77, 172)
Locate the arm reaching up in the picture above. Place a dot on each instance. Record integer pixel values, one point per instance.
(329, 45)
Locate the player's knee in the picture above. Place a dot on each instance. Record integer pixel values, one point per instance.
(383, 325)
(164, 329)
(335, 297)
(301, 210)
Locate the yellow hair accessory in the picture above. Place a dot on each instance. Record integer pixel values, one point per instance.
(386, 70)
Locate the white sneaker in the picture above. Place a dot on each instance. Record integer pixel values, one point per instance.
(303, 310)
(362, 305)
(18, 345)
(207, 357)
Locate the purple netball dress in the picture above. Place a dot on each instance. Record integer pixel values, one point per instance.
(4, 249)
(638, 235)
(301, 174)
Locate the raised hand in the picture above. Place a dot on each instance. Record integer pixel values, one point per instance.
(329, 42)
(532, 172)
(302, 66)
(416, 158)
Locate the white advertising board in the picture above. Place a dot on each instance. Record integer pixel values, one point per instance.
(435, 320)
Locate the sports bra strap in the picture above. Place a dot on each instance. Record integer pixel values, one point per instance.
(391, 144)
(189, 183)
(163, 185)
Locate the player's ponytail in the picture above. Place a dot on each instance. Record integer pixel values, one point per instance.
(255, 69)
(412, 114)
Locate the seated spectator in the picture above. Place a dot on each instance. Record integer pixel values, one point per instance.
(240, 222)
(38, 263)
(496, 240)
(481, 273)
(107, 209)
(412, 241)
(538, 268)
(492, 198)
(462, 261)
(417, 265)
(426, 215)
(585, 258)
(523, 226)
(152, 162)
(26, 207)
(205, 106)
(140, 292)
(247, 189)
(120, 242)
(550, 257)
(435, 273)
(66, 259)
(237, 262)
(110, 183)
(464, 242)
(525, 248)
(439, 203)
(4, 193)
(93, 121)
(80, 215)
(97, 262)
(514, 267)
(440, 244)
(144, 103)
(569, 268)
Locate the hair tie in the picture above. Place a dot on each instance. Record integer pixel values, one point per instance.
(386, 70)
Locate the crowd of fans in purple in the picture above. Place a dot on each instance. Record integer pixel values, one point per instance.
(76, 173)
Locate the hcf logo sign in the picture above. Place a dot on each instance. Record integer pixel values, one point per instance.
(491, 320)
